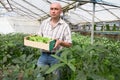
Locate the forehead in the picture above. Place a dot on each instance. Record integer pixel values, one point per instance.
(55, 5)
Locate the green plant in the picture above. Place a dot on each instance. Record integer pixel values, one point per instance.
(83, 61)
(95, 27)
(102, 28)
(107, 27)
(12, 47)
(114, 27)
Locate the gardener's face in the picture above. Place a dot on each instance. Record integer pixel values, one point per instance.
(55, 10)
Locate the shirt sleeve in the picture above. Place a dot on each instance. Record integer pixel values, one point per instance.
(67, 35)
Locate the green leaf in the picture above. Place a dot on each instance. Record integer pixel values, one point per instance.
(4, 59)
(81, 76)
(23, 58)
(64, 55)
(16, 60)
(29, 57)
(71, 60)
(71, 66)
(60, 59)
(54, 67)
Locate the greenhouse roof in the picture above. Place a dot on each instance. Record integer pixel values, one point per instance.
(75, 11)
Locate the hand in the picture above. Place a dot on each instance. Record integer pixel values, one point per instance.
(58, 43)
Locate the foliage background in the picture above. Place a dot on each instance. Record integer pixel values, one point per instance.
(83, 61)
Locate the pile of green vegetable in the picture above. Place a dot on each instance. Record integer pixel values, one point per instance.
(38, 38)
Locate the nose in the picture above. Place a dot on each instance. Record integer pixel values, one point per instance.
(53, 10)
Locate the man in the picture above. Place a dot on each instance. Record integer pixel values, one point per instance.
(55, 28)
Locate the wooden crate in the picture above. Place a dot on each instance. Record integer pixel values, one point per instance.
(46, 46)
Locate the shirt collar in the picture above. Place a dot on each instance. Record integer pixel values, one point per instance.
(60, 21)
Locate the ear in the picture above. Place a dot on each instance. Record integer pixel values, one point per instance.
(61, 11)
(61, 14)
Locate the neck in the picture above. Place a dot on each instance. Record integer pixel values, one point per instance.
(55, 20)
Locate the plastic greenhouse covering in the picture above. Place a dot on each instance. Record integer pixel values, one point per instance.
(78, 12)
(75, 12)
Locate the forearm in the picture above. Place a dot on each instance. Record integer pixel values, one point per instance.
(65, 44)
(62, 43)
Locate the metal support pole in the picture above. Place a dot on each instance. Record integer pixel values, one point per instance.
(92, 29)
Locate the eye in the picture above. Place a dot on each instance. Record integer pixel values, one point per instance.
(56, 8)
(51, 8)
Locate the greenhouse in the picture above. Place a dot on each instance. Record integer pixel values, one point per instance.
(95, 37)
